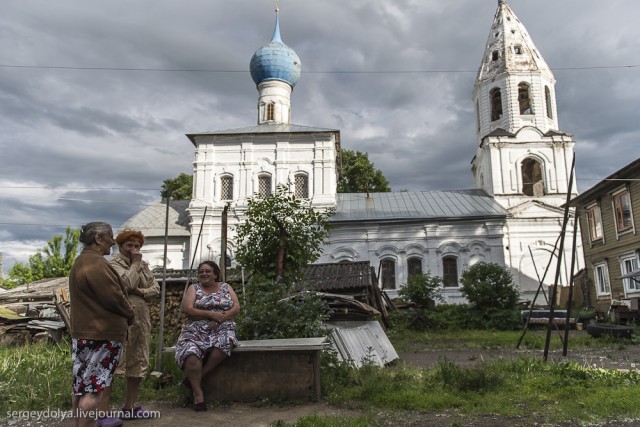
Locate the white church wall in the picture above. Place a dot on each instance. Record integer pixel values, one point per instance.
(177, 252)
(469, 242)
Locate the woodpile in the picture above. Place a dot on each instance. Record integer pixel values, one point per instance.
(173, 318)
(40, 310)
(34, 312)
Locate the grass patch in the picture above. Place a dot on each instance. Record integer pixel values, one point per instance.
(534, 339)
(551, 392)
(39, 377)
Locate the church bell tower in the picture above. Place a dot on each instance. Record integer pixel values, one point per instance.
(522, 157)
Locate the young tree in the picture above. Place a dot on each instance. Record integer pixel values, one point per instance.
(181, 187)
(280, 221)
(492, 295)
(358, 175)
(272, 305)
(424, 290)
(48, 262)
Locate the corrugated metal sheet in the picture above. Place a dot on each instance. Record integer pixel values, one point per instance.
(406, 205)
(362, 343)
(340, 276)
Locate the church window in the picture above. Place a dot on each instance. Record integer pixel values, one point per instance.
(547, 98)
(495, 55)
(532, 181)
(450, 272)
(517, 50)
(414, 266)
(301, 186)
(496, 104)
(264, 185)
(226, 188)
(478, 116)
(271, 107)
(622, 209)
(594, 217)
(524, 99)
(388, 276)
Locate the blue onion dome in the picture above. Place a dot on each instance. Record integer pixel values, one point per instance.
(275, 61)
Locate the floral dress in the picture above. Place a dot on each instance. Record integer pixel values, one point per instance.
(199, 337)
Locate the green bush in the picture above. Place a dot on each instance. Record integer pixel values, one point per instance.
(423, 290)
(492, 296)
(440, 317)
(272, 310)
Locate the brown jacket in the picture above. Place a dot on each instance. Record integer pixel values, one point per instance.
(100, 309)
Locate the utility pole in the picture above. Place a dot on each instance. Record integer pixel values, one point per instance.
(163, 289)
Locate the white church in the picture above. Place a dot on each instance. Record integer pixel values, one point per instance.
(513, 216)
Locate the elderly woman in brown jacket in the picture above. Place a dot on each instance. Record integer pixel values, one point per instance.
(100, 316)
(142, 288)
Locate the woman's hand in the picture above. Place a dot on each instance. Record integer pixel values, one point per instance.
(217, 316)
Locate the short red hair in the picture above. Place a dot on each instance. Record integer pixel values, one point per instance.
(128, 234)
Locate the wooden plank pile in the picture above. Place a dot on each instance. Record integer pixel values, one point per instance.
(34, 312)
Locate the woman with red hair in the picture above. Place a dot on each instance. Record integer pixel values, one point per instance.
(142, 288)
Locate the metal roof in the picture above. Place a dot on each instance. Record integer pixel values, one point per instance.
(150, 221)
(615, 180)
(264, 128)
(419, 205)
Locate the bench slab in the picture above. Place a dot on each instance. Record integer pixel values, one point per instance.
(281, 369)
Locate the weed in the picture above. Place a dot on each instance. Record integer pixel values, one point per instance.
(480, 379)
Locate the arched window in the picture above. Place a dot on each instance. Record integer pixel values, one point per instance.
(264, 185)
(496, 104)
(388, 273)
(547, 98)
(450, 272)
(271, 111)
(524, 99)
(414, 266)
(301, 186)
(226, 187)
(517, 49)
(532, 180)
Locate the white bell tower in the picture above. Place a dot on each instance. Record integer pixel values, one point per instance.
(522, 158)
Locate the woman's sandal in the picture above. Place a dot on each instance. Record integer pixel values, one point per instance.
(200, 406)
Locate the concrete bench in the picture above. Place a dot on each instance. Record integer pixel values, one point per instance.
(273, 369)
(556, 321)
(541, 317)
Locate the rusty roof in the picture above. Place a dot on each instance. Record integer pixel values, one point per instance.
(339, 276)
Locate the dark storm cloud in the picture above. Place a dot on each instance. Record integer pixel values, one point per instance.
(110, 129)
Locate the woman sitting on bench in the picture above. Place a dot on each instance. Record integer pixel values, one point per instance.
(208, 334)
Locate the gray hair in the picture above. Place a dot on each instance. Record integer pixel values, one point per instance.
(88, 232)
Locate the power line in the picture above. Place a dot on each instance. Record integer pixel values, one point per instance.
(104, 201)
(49, 187)
(210, 70)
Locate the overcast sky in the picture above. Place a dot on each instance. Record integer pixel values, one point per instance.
(87, 135)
